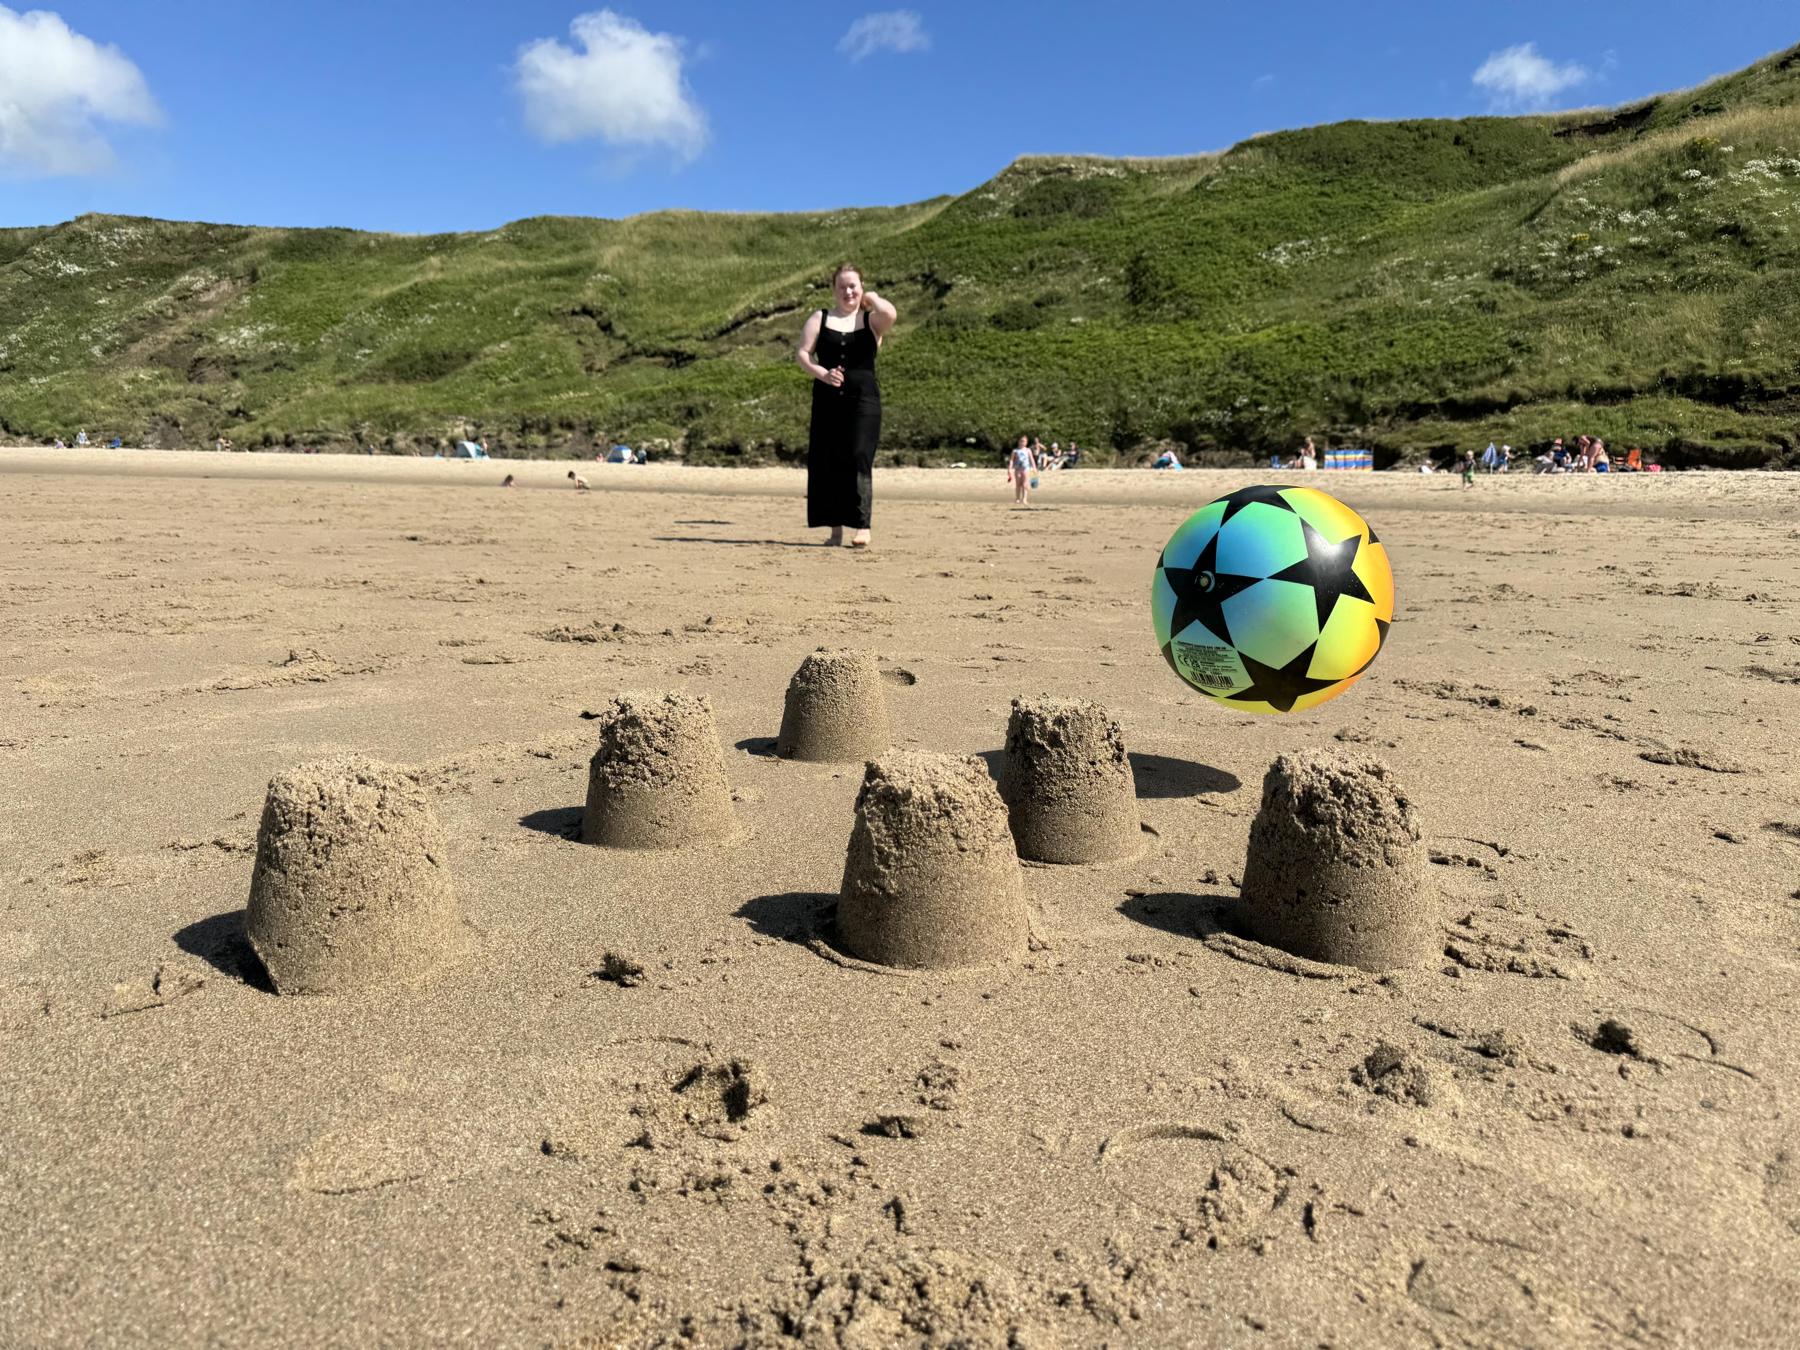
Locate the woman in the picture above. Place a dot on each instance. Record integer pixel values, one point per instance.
(837, 348)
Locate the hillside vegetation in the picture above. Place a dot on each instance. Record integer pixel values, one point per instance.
(1633, 272)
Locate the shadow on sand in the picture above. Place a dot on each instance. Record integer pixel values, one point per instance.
(562, 822)
(1163, 776)
(220, 942)
(792, 916)
(738, 543)
(1184, 915)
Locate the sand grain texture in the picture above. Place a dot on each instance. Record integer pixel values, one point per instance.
(1337, 870)
(931, 879)
(1067, 782)
(657, 780)
(652, 1107)
(351, 886)
(835, 709)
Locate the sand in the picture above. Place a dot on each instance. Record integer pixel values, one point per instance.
(931, 878)
(1066, 778)
(835, 709)
(652, 1103)
(351, 888)
(657, 779)
(1336, 868)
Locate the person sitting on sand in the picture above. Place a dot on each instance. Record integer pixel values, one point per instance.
(580, 482)
(57, 444)
(507, 481)
(1600, 462)
(81, 437)
(1167, 460)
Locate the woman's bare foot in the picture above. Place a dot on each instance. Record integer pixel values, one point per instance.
(860, 539)
(837, 537)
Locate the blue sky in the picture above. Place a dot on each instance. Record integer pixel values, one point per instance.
(459, 115)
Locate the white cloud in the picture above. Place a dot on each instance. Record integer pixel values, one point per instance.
(1518, 77)
(623, 85)
(892, 30)
(56, 87)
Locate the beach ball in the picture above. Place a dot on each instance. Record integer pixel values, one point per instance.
(1272, 599)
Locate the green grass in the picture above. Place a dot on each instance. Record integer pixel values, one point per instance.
(1407, 285)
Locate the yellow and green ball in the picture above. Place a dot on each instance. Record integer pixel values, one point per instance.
(1272, 599)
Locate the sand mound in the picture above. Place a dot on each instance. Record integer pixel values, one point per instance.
(658, 778)
(931, 878)
(1067, 783)
(836, 709)
(1336, 870)
(351, 888)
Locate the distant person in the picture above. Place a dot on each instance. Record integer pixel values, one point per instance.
(57, 444)
(1074, 456)
(117, 443)
(1505, 459)
(640, 456)
(581, 484)
(1468, 468)
(1168, 459)
(1021, 463)
(507, 481)
(1600, 462)
(837, 348)
(81, 437)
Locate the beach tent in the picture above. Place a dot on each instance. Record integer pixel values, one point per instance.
(468, 450)
(619, 454)
(1349, 459)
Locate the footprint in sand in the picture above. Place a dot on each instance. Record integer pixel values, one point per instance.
(1223, 1190)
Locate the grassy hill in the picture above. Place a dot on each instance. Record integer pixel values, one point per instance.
(1633, 272)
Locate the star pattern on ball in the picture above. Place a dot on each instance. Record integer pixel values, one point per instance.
(1328, 569)
(1280, 687)
(1201, 592)
(1265, 493)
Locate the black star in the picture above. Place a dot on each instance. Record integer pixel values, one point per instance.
(1266, 493)
(1201, 592)
(1280, 688)
(1327, 569)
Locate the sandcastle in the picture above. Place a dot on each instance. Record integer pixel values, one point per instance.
(1337, 871)
(351, 889)
(835, 710)
(931, 878)
(1067, 783)
(658, 778)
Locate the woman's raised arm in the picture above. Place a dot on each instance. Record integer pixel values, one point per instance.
(881, 314)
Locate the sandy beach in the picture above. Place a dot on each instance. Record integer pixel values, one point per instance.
(1576, 1125)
